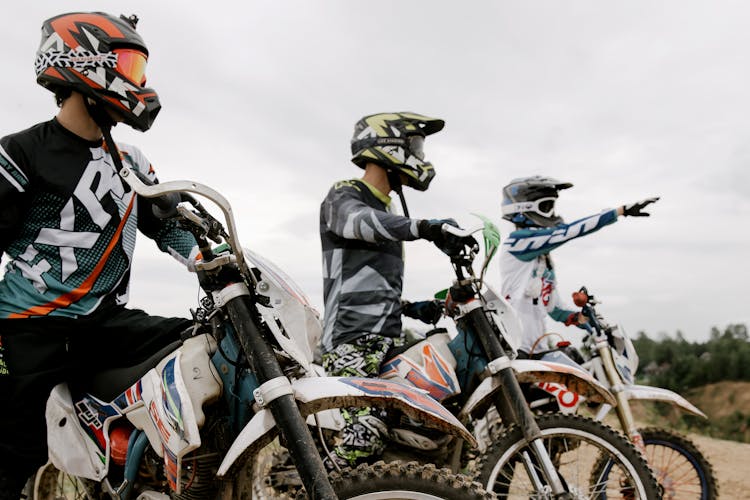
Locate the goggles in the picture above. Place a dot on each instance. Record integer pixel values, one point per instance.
(414, 143)
(131, 64)
(543, 206)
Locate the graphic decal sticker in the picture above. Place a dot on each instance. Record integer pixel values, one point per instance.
(378, 387)
(92, 414)
(433, 375)
(171, 401)
(565, 398)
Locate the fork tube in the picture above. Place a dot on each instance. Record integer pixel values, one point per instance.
(624, 413)
(293, 428)
(511, 403)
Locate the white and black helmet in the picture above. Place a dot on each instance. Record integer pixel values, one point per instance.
(530, 201)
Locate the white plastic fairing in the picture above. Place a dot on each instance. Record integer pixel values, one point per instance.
(174, 393)
(624, 354)
(505, 316)
(70, 449)
(529, 370)
(291, 318)
(317, 394)
(428, 365)
(645, 392)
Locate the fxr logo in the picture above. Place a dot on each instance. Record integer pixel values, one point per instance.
(87, 414)
(98, 180)
(158, 422)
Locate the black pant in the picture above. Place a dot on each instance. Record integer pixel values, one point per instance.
(43, 352)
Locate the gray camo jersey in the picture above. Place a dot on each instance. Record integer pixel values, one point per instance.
(363, 263)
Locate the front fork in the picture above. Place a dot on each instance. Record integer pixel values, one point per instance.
(512, 406)
(624, 413)
(276, 389)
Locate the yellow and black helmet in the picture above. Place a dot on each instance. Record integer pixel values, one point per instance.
(395, 142)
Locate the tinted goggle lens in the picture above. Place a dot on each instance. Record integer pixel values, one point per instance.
(545, 206)
(132, 65)
(416, 146)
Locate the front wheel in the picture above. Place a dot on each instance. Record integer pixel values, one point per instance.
(397, 480)
(593, 461)
(53, 484)
(680, 467)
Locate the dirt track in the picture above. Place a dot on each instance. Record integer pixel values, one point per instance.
(731, 463)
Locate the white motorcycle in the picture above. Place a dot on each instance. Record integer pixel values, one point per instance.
(609, 355)
(476, 376)
(187, 423)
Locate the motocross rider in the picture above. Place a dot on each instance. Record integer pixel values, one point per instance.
(68, 225)
(363, 266)
(526, 267)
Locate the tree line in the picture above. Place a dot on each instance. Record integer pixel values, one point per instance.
(676, 364)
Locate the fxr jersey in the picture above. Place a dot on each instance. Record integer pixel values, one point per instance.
(68, 223)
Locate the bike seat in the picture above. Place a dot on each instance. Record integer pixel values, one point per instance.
(108, 384)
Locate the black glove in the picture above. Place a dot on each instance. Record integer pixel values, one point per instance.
(636, 209)
(426, 311)
(432, 229)
(448, 243)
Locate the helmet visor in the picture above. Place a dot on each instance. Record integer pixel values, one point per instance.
(131, 64)
(416, 146)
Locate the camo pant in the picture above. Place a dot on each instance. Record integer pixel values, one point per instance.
(363, 436)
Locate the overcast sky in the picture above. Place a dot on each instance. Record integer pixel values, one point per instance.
(625, 100)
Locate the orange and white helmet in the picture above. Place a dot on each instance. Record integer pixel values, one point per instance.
(101, 57)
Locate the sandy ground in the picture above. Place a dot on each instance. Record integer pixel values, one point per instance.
(731, 463)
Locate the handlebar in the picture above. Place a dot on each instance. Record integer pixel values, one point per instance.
(181, 188)
(461, 233)
(595, 326)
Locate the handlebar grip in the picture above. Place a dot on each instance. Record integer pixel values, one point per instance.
(164, 206)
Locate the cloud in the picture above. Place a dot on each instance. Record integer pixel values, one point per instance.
(625, 100)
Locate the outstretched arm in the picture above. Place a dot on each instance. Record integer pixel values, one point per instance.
(528, 244)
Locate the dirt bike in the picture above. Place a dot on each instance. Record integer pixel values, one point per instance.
(608, 353)
(553, 456)
(188, 422)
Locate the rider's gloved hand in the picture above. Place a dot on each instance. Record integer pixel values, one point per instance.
(636, 209)
(579, 320)
(448, 243)
(576, 318)
(426, 311)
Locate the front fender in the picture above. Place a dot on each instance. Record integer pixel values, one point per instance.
(533, 371)
(648, 393)
(315, 394)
